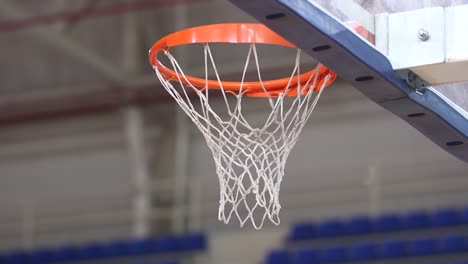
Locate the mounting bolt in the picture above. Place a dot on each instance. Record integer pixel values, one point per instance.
(423, 34)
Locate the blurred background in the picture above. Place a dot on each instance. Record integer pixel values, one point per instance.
(99, 165)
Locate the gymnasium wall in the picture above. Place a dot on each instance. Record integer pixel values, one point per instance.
(71, 180)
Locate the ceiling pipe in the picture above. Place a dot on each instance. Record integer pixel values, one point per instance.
(105, 100)
(102, 101)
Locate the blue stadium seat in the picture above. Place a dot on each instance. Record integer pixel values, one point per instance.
(144, 246)
(331, 228)
(363, 251)
(40, 256)
(16, 257)
(91, 251)
(454, 243)
(387, 223)
(117, 248)
(67, 253)
(167, 243)
(278, 257)
(334, 254)
(359, 225)
(190, 242)
(465, 216)
(447, 217)
(303, 231)
(423, 246)
(393, 249)
(306, 256)
(416, 220)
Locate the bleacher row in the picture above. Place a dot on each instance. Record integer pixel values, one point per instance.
(369, 251)
(172, 246)
(361, 225)
(362, 234)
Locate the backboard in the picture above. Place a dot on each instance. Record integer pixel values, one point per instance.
(413, 61)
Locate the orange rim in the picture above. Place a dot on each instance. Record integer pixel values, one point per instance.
(235, 33)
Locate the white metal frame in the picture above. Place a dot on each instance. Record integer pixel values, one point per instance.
(442, 57)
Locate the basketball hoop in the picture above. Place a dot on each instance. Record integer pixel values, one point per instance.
(250, 160)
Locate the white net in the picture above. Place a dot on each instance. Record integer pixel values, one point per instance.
(250, 160)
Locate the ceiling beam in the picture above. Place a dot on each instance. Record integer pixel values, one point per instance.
(87, 13)
(68, 45)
